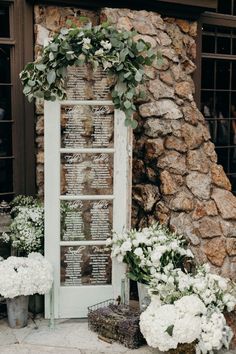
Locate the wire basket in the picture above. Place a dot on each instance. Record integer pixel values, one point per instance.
(116, 322)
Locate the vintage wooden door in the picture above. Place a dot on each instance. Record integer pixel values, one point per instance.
(87, 195)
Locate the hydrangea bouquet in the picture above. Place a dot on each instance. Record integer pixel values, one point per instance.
(187, 303)
(26, 231)
(25, 276)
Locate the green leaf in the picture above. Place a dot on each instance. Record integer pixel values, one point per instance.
(126, 75)
(140, 46)
(40, 67)
(64, 31)
(131, 275)
(69, 22)
(169, 330)
(51, 56)
(51, 76)
(31, 83)
(127, 104)
(133, 123)
(138, 76)
(129, 95)
(123, 53)
(26, 90)
(120, 67)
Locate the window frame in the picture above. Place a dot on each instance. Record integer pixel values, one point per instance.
(23, 127)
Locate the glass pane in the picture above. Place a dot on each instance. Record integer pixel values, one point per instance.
(222, 74)
(83, 83)
(225, 6)
(234, 13)
(85, 265)
(208, 73)
(222, 105)
(87, 174)
(87, 126)
(208, 28)
(5, 74)
(232, 179)
(207, 104)
(4, 22)
(223, 158)
(5, 139)
(212, 127)
(223, 30)
(86, 220)
(208, 44)
(6, 180)
(223, 45)
(234, 46)
(233, 76)
(5, 103)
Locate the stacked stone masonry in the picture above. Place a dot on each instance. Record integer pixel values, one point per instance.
(176, 179)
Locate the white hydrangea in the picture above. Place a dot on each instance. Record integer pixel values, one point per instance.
(187, 328)
(215, 334)
(154, 325)
(191, 304)
(25, 276)
(165, 326)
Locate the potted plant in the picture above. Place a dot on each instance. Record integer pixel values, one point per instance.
(21, 277)
(147, 252)
(187, 311)
(26, 234)
(26, 231)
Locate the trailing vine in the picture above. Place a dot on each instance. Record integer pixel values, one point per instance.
(117, 52)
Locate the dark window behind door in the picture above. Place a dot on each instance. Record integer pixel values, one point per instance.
(6, 118)
(218, 83)
(16, 116)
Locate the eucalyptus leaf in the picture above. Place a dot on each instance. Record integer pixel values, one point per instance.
(51, 76)
(138, 76)
(127, 104)
(40, 67)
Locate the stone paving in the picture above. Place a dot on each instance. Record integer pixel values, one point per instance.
(67, 337)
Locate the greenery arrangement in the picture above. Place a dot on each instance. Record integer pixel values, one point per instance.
(116, 51)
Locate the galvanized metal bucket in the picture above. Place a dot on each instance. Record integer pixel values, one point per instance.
(144, 297)
(17, 311)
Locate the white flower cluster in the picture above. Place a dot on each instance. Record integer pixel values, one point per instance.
(151, 250)
(165, 326)
(212, 289)
(27, 228)
(187, 320)
(214, 335)
(186, 306)
(25, 276)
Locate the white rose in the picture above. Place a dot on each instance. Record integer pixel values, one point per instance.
(106, 44)
(99, 52)
(126, 247)
(138, 252)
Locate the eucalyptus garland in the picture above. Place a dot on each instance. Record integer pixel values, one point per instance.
(116, 51)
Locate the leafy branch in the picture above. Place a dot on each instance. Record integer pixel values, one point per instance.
(117, 52)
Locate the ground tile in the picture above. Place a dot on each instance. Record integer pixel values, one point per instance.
(31, 349)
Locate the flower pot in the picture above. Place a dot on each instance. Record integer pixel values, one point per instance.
(36, 303)
(17, 311)
(144, 297)
(184, 349)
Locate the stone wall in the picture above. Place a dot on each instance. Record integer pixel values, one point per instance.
(176, 178)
